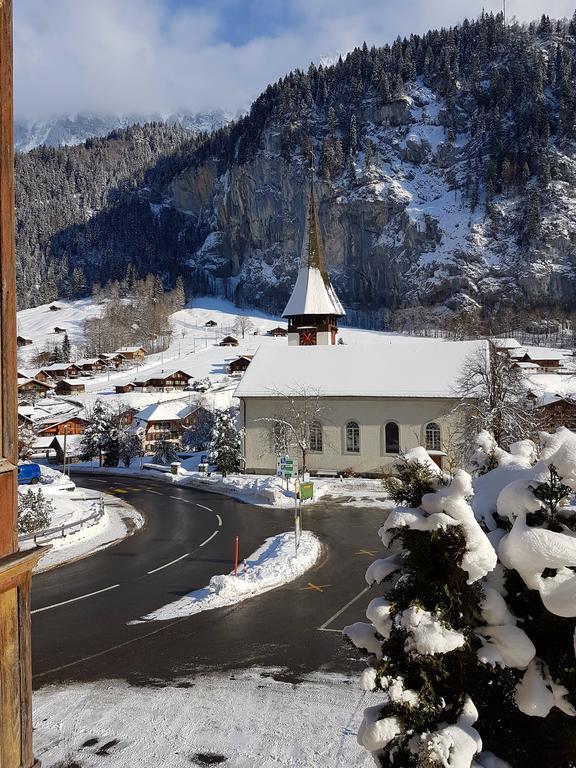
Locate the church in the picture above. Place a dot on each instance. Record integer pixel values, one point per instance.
(355, 407)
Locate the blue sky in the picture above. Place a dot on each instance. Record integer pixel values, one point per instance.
(156, 56)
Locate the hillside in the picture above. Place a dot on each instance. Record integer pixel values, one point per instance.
(446, 167)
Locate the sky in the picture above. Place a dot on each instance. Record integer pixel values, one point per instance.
(158, 56)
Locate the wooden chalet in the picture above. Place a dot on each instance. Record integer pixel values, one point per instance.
(210, 324)
(57, 329)
(168, 381)
(73, 448)
(91, 364)
(33, 387)
(22, 341)
(122, 389)
(127, 417)
(72, 425)
(229, 341)
(279, 331)
(54, 308)
(556, 411)
(113, 359)
(163, 421)
(59, 371)
(240, 364)
(69, 387)
(131, 353)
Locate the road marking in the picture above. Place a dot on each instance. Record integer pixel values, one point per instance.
(219, 520)
(154, 570)
(365, 552)
(118, 490)
(176, 498)
(156, 492)
(75, 599)
(317, 587)
(209, 538)
(341, 611)
(203, 507)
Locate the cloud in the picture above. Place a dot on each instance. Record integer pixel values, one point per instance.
(148, 56)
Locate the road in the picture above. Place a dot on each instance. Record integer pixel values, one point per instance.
(81, 612)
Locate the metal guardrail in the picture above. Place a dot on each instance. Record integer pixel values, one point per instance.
(51, 533)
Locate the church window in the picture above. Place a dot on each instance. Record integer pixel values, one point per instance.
(432, 436)
(352, 437)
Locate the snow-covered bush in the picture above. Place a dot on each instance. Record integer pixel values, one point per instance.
(129, 446)
(34, 511)
(473, 642)
(198, 435)
(225, 445)
(164, 452)
(412, 475)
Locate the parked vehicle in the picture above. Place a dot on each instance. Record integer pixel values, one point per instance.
(29, 473)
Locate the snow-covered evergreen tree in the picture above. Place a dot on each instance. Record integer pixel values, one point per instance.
(101, 435)
(26, 438)
(225, 445)
(198, 435)
(164, 452)
(130, 446)
(34, 511)
(66, 348)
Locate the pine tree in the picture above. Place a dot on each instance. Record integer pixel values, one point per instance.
(100, 435)
(164, 452)
(225, 445)
(34, 511)
(66, 349)
(26, 439)
(129, 446)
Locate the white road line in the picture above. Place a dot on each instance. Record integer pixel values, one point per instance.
(74, 599)
(341, 611)
(176, 498)
(209, 538)
(154, 570)
(156, 492)
(203, 507)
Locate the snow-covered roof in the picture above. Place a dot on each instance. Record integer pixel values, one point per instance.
(506, 343)
(72, 383)
(129, 349)
(312, 295)
(167, 411)
(418, 369)
(73, 443)
(58, 366)
(89, 361)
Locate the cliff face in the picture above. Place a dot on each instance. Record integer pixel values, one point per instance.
(401, 233)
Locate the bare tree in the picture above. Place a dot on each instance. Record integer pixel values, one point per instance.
(493, 397)
(242, 325)
(300, 409)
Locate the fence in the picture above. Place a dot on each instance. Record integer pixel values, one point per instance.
(52, 533)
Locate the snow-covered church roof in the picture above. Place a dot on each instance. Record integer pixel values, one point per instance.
(407, 370)
(313, 293)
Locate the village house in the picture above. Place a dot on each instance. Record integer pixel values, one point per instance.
(58, 371)
(163, 421)
(240, 364)
(279, 331)
(22, 341)
(166, 382)
(548, 360)
(368, 402)
(210, 324)
(229, 341)
(113, 359)
(66, 448)
(131, 353)
(54, 308)
(91, 364)
(34, 387)
(57, 329)
(71, 425)
(555, 411)
(69, 386)
(122, 389)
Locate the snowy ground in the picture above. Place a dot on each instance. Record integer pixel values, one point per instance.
(273, 564)
(242, 720)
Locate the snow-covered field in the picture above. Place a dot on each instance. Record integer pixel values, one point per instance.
(246, 720)
(273, 564)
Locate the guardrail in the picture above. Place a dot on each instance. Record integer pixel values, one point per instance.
(52, 533)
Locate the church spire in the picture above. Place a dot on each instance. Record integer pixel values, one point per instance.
(313, 307)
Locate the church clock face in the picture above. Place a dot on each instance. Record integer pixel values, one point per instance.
(307, 337)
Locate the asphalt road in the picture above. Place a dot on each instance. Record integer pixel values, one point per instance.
(81, 611)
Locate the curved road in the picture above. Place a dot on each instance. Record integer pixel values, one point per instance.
(81, 612)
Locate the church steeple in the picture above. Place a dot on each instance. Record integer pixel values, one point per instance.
(314, 308)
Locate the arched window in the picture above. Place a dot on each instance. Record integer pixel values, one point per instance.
(391, 438)
(352, 437)
(432, 436)
(316, 437)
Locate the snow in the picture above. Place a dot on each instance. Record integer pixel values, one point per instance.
(312, 295)
(537, 692)
(268, 722)
(381, 569)
(427, 635)
(375, 731)
(378, 612)
(273, 564)
(364, 637)
(408, 370)
(164, 411)
(451, 746)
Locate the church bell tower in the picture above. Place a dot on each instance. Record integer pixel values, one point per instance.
(313, 308)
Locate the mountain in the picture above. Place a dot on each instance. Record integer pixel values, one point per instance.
(446, 171)
(75, 129)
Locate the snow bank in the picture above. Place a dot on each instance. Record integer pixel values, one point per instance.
(273, 564)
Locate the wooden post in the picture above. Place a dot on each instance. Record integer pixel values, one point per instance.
(15, 567)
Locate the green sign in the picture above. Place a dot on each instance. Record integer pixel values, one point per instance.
(306, 491)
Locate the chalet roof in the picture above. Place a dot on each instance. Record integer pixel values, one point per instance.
(72, 382)
(90, 361)
(129, 349)
(27, 380)
(73, 443)
(58, 367)
(313, 293)
(506, 343)
(170, 410)
(403, 370)
(164, 376)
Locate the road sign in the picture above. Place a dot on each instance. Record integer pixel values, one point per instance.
(286, 467)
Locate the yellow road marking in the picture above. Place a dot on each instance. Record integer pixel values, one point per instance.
(118, 490)
(317, 587)
(365, 552)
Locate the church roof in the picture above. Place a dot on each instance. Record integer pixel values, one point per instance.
(313, 293)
